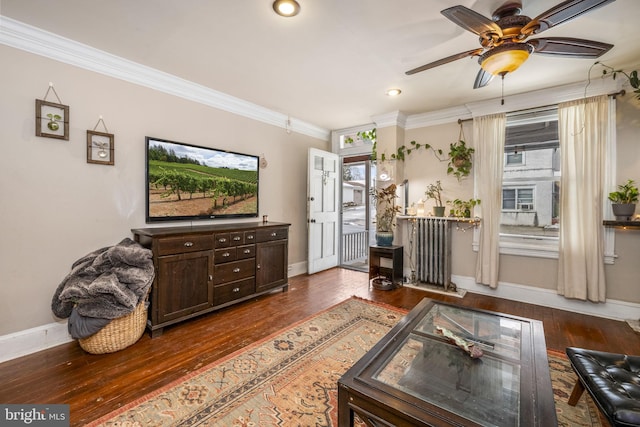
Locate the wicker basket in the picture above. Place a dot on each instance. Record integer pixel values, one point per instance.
(120, 333)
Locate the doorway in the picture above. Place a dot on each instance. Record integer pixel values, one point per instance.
(357, 212)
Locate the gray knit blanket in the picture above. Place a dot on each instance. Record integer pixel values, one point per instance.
(107, 283)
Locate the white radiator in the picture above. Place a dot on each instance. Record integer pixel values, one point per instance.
(433, 251)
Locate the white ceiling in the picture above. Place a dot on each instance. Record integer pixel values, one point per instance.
(331, 65)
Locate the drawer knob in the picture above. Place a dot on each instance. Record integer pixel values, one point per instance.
(226, 254)
(258, 266)
(237, 238)
(274, 234)
(236, 289)
(222, 240)
(210, 277)
(250, 237)
(247, 251)
(188, 244)
(236, 270)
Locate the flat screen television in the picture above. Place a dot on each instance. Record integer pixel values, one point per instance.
(186, 182)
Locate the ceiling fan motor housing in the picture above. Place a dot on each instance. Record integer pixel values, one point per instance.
(511, 25)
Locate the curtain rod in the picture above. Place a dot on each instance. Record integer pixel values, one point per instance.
(614, 94)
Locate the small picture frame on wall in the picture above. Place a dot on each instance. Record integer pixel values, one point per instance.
(52, 120)
(100, 148)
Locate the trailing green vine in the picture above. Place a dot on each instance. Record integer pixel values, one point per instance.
(632, 76)
(459, 156)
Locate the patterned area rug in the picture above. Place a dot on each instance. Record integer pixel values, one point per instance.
(291, 378)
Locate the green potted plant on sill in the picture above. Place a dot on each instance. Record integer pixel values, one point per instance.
(624, 200)
(463, 208)
(434, 191)
(386, 211)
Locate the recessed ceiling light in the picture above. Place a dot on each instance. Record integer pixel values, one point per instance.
(394, 92)
(286, 8)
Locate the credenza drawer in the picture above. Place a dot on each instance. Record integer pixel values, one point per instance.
(275, 233)
(232, 271)
(224, 255)
(249, 237)
(177, 245)
(234, 290)
(222, 240)
(246, 251)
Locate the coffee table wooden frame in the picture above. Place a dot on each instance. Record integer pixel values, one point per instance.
(379, 404)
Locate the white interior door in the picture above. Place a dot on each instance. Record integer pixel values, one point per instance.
(322, 210)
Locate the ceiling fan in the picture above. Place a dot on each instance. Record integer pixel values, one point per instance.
(504, 38)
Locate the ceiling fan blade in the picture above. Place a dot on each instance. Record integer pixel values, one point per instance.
(483, 78)
(565, 46)
(561, 13)
(471, 20)
(474, 52)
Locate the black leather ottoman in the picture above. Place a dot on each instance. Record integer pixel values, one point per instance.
(612, 380)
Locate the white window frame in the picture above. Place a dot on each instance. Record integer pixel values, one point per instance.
(546, 247)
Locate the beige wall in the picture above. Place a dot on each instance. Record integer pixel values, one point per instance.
(422, 168)
(55, 207)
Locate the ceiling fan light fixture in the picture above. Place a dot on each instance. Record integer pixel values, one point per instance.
(505, 59)
(286, 8)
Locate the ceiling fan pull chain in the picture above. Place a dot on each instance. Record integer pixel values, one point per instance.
(502, 100)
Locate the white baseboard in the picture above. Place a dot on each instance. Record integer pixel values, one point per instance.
(46, 336)
(297, 269)
(33, 340)
(43, 337)
(612, 309)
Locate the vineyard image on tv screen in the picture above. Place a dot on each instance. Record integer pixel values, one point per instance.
(188, 182)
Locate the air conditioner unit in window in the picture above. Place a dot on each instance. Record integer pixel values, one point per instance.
(526, 206)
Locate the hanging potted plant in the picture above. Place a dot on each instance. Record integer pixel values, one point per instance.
(459, 159)
(386, 211)
(624, 200)
(434, 191)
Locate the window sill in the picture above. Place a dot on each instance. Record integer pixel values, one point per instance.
(539, 249)
(544, 248)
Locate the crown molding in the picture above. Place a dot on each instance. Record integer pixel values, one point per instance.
(544, 97)
(522, 101)
(394, 118)
(37, 41)
(438, 117)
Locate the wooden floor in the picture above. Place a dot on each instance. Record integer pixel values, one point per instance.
(94, 385)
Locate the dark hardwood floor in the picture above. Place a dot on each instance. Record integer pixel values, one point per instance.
(94, 385)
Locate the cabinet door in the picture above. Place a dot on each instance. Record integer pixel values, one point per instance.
(271, 264)
(185, 285)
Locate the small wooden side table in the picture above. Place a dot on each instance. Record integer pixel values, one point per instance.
(386, 262)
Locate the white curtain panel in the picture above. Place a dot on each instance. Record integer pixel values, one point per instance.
(489, 136)
(583, 128)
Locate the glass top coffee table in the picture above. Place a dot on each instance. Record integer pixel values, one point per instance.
(448, 365)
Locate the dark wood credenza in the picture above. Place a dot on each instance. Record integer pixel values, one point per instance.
(200, 269)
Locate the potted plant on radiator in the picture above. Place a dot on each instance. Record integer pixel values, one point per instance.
(463, 208)
(434, 191)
